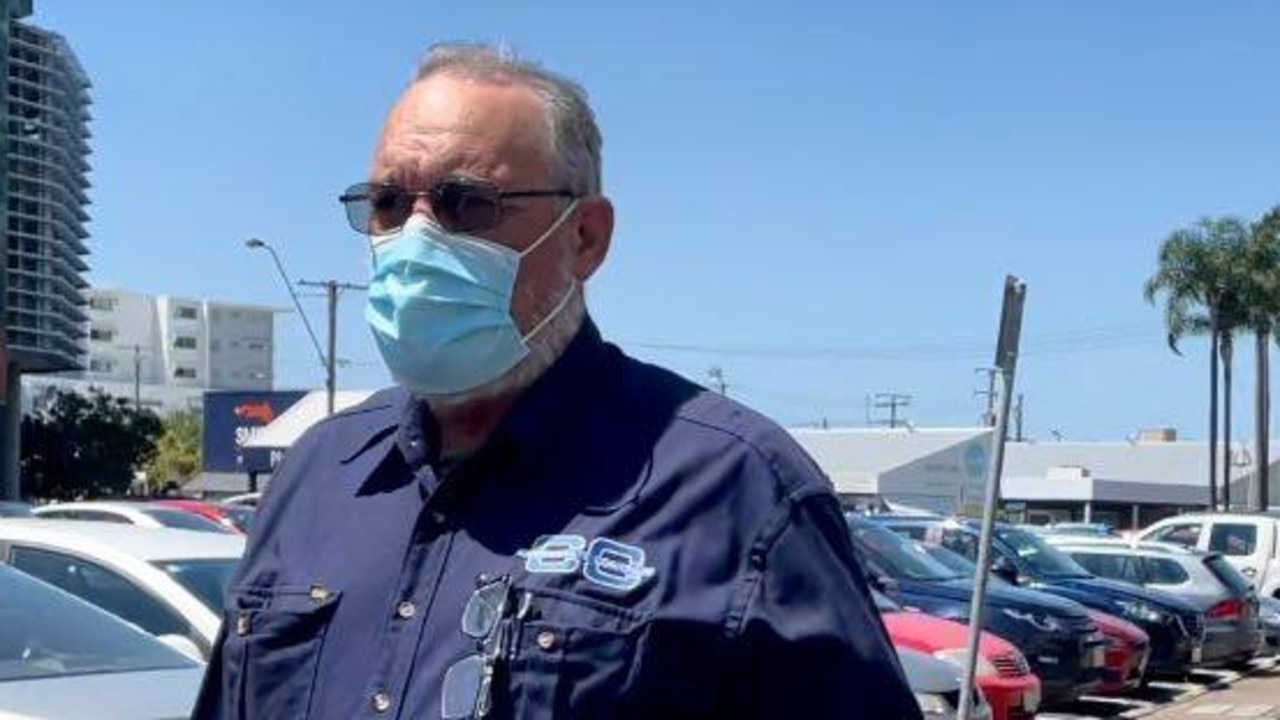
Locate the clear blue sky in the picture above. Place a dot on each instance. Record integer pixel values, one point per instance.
(822, 198)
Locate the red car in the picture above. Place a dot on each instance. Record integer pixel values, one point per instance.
(1128, 648)
(1004, 677)
(234, 518)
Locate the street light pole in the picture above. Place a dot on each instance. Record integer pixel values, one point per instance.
(332, 289)
(256, 244)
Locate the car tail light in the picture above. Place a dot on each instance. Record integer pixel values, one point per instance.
(1232, 609)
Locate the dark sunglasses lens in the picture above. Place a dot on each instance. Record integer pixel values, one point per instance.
(462, 207)
(461, 688)
(389, 208)
(483, 609)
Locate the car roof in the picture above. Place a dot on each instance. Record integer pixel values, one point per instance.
(1220, 516)
(149, 544)
(94, 505)
(1106, 543)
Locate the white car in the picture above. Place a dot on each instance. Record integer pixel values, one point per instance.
(131, 513)
(63, 659)
(168, 582)
(1250, 542)
(247, 499)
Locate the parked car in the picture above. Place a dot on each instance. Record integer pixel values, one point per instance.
(63, 659)
(245, 499)
(167, 582)
(1061, 643)
(1205, 580)
(1250, 542)
(1176, 628)
(236, 518)
(14, 509)
(1128, 650)
(1080, 528)
(1269, 614)
(936, 685)
(130, 513)
(1003, 674)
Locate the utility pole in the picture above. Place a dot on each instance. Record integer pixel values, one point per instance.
(988, 418)
(716, 373)
(892, 401)
(332, 289)
(137, 377)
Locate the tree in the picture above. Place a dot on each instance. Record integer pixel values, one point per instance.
(1198, 276)
(1263, 305)
(177, 455)
(76, 446)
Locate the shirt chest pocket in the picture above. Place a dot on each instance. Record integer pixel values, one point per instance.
(572, 657)
(272, 649)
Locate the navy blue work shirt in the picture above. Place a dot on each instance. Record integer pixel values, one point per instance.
(672, 555)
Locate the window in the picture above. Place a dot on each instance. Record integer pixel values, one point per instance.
(99, 586)
(185, 373)
(1185, 534)
(255, 346)
(186, 312)
(102, 302)
(1113, 567)
(100, 365)
(184, 342)
(102, 334)
(1161, 571)
(1233, 538)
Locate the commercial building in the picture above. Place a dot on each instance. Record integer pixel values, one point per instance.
(166, 351)
(46, 135)
(1125, 484)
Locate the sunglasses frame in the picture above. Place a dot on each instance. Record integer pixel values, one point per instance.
(361, 198)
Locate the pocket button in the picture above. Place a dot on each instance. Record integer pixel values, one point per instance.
(381, 702)
(546, 640)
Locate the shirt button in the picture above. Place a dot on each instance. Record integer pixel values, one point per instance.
(546, 640)
(381, 702)
(406, 609)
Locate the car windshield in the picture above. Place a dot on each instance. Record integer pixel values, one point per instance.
(1039, 556)
(45, 632)
(239, 516)
(953, 560)
(184, 520)
(207, 579)
(899, 556)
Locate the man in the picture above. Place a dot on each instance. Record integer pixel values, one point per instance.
(532, 524)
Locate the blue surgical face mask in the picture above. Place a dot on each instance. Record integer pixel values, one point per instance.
(439, 305)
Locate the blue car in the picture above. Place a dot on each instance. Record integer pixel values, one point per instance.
(1176, 627)
(1057, 637)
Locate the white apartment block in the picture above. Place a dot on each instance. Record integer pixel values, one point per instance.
(169, 350)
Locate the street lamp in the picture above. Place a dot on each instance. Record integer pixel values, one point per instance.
(256, 244)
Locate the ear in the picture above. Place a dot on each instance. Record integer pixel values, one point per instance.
(595, 230)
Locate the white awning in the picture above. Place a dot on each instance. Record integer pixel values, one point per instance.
(285, 430)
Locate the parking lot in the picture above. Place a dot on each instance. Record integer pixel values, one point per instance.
(1253, 692)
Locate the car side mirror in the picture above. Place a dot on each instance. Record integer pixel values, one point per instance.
(1003, 568)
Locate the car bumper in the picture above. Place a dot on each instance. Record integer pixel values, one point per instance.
(1229, 643)
(1068, 668)
(1011, 698)
(1126, 665)
(1173, 651)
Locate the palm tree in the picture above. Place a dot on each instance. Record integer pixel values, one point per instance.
(1263, 309)
(1196, 273)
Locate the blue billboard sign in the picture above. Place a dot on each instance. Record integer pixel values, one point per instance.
(231, 418)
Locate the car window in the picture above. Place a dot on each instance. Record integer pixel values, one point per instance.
(206, 579)
(45, 632)
(1162, 571)
(183, 520)
(915, 532)
(961, 543)
(59, 514)
(99, 586)
(101, 516)
(1185, 534)
(1233, 538)
(1107, 565)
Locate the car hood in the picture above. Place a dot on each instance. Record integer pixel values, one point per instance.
(1101, 593)
(928, 674)
(930, 634)
(1000, 595)
(142, 695)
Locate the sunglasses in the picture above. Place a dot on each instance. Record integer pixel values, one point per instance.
(457, 205)
(467, 691)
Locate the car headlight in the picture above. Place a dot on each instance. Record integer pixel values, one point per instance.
(935, 706)
(1141, 611)
(958, 656)
(1042, 621)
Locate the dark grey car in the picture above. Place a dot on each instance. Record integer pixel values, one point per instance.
(1233, 632)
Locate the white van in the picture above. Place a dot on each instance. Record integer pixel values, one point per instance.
(1250, 542)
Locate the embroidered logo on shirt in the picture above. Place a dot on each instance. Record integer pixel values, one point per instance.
(604, 562)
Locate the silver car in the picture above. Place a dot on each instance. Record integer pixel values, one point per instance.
(1233, 633)
(61, 658)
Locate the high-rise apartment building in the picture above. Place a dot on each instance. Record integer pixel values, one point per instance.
(45, 134)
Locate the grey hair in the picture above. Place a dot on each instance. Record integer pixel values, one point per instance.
(575, 137)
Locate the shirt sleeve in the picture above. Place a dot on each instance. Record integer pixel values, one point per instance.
(810, 639)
